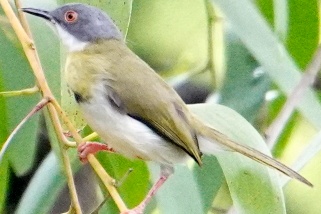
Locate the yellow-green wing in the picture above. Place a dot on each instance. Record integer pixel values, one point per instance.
(146, 97)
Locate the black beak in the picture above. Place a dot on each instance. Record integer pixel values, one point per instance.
(37, 12)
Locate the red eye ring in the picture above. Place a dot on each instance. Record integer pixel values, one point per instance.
(71, 16)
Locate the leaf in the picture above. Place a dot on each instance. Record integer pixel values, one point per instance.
(245, 83)
(4, 183)
(209, 179)
(4, 164)
(134, 186)
(179, 194)
(16, 75)
(304, 29)
(248, 181)
(43, 188)
(269, 52)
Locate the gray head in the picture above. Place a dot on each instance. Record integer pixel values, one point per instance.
(79, 24)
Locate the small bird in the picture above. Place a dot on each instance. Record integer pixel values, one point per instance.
(128, 104)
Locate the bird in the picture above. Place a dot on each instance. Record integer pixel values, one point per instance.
(134, 111)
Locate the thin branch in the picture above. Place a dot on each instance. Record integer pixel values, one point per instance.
(38, 107)
(27, 91)
(104, 176)
(32, 56)
(215, 56)
(55, 112)
(91, 136)
(22, 18)
(118, 183)
(210, 51)
(101, 172)
(309, 76)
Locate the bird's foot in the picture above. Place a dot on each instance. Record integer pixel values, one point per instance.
(87, 148)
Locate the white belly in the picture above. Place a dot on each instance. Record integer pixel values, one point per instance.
(126, 135)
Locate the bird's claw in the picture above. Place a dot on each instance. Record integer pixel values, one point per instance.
(84, 149)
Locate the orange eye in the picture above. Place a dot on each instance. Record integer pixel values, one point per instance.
(71, 16)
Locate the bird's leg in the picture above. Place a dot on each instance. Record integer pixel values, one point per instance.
(87, 148)
(166, 171)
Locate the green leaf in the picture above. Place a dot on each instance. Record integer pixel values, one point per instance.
(303, 35)
(43, 188)
(281, 20)
(257, 36)
(134, 186)
(169, 35)
(245, 83)
(4, 183)
(179, 194)
(209, 179)
(16, 75)
(248, 181)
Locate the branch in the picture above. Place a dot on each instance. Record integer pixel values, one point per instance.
(32, 56)
(26, 91)
(38, 107)
(55, 112)
(273, 132)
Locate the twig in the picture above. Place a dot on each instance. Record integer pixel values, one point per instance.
(210, 52)
(38, 107)
(55, 110)
(104, 176)
(96, 211)
(26, 91)
(275, 129)
(215, 56)
(107, 182)
(125, 176)
(90, 136)
(32, 56)
(22, 18)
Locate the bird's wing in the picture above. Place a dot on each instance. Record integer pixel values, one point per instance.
(135, 87)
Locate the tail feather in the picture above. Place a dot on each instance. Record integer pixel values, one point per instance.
(215, 136)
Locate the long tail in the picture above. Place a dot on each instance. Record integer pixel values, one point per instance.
(214, 137)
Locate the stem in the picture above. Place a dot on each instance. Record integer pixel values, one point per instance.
(55, 111)
(275, 129)
(100, 171)
(26, 91)
(22, 18)
(32, 56)
(38, 107)
(107, 182)
(215, 38)
(210, 51)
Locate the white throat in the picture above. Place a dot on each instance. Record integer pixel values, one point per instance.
(71, 42)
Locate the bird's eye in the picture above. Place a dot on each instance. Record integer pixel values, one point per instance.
(71, 16)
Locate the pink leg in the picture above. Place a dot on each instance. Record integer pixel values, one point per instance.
(87, 148)
(166, 171)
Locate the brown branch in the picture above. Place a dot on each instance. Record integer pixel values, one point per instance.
(273, 132)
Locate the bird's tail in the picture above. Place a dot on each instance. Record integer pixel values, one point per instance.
(212, 140)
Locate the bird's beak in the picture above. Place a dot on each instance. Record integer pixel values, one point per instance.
(37, 12)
